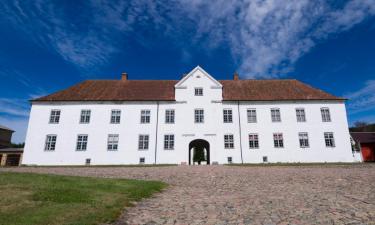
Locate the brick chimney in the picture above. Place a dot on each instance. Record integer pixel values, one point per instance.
(124, 76)
(236, 76)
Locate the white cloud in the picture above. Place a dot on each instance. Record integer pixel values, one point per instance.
(265, 37)
(14, 107)
(363, 99)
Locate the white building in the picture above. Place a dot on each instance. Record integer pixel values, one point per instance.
(103, 122)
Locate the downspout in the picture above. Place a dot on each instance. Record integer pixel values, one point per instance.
(156, 129)
(239, 126)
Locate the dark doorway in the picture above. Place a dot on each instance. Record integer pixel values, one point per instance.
(199, 147)
(13, 160)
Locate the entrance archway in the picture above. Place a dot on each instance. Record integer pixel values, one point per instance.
(195, 147)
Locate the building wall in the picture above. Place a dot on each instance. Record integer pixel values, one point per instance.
(186, 130)
(5, 138)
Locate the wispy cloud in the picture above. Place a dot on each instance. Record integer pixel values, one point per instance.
(265, 37)
(14, 107)
(363, 99)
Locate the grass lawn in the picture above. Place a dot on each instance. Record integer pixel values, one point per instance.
(57, 200)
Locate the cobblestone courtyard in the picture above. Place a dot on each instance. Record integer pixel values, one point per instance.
(343, 194)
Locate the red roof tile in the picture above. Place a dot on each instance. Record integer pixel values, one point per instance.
(163, 90)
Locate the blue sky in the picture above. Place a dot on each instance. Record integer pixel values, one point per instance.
(46, 46)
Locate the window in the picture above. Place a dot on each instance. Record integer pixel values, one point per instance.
(265, 159)
(253, 141)
(50, 144)
(251, 116)
(230, 160)
(143, 142)
(115, 116)
(326, 116)
(85, 116)
(88, 161)
(55, 116)
(199, 116)
(278, 140)
(301, 116)
(145, 116)
(303, 140)
(112, 143)
(228, 118)
(82, 142)
(198, 91)
(275, 115)
(169, 142)
(228, 141)
(142, 160)
(169, 116)
(330, 141)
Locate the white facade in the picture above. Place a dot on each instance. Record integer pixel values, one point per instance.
(185, 130)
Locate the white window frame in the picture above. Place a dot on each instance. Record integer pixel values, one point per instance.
(85, 116)
(169, 116)
(251, 115)
(329, 139)
(145, 116)
(168, 141)
(278, 140)
(143, 142)
(303, 138)
(228, 141)
(115, 116)
(326, 114)
(82, 142)
(301, 115)
(275, 115)
(227, 116)
(253, 140)
(198, 115)
(50, 144)
(112, 142)
(54, 117)
(198, 91)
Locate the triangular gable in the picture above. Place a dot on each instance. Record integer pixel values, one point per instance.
(191, 73)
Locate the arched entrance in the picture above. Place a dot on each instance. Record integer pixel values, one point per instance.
(199, 151)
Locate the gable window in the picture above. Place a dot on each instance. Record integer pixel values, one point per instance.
(251, 116)
(326, 116)
(112, 143)
(198, 91)
(169, 116)
(329, 139)
(82, 142)
(275, 115)
(253, 141)
(50, 144)
(145, 116)
(115, 116)
(169, 142)
(143, 142)
(85, 116)
(278, 140)
(227, 114)
(228, 141)
(303, 140)
(142, 160)
(198, 116)
(301, 116)
(55, 116)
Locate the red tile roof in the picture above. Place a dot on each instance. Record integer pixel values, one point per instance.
(163, 90)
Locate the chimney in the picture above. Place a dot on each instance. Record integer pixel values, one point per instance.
(236, 76)
(124, 76)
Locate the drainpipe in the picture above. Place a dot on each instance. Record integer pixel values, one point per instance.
(239, 126)
(156, 129)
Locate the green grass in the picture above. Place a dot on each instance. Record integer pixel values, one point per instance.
(58, 200)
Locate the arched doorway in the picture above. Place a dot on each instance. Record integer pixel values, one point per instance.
(199, 150)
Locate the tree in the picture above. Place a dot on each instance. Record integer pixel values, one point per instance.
(198, 155)
(360, 124)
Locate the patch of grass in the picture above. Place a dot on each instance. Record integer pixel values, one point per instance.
(59, 200)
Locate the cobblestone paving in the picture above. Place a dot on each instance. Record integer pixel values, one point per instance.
(279, 195)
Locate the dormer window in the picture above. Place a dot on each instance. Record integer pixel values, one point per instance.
(198, 91)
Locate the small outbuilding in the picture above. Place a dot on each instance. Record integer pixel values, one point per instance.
(365, 143)
(9, 156)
